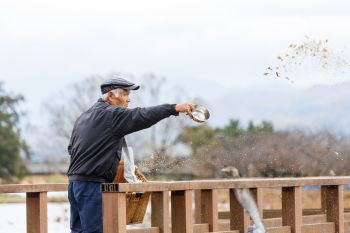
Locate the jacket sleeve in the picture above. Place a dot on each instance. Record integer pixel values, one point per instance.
(126, 121)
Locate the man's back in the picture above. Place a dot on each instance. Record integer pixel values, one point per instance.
(93, 147)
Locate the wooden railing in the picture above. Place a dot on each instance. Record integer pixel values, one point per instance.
(205, 217)
(172, 206)
(36, 202)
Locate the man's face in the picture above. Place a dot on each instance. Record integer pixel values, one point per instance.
(121, 100)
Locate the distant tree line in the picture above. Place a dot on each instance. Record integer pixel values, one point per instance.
(13, 149)
(259, 150)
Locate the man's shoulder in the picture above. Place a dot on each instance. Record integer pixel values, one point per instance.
(100, 105)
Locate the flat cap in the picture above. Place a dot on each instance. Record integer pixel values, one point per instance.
(118, 82)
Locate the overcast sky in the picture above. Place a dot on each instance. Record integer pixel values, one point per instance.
(213, 48)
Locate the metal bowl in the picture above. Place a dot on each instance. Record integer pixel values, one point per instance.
(200, 114)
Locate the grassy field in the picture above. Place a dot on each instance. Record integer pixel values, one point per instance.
(45, 179)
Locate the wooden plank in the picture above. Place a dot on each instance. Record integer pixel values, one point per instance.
(150, 186)
(306, 228)
(224, 225)
(334, 205)
(268, 182)
(292, 208)
(347, 226)
(114, 212)
(160, 214)
(200, 228)
(228, 184)
(225, 232)
(197, 206)
(311, 219)
(187, 185)
(144, 230)
(257, 195)
(283, 229)
(275, 213)
(239, 220)
(323, 199)
(36, 204)
(319, 228)
(347, 217)
(33, 188)
(273, 222)
(209, 207)
(181, 211)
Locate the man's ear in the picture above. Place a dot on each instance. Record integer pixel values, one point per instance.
(111, 95)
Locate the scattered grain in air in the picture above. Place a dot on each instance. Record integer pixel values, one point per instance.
(297, 54)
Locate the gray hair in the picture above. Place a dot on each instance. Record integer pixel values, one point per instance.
(115, 92)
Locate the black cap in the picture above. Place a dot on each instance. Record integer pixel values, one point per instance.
(118, 82)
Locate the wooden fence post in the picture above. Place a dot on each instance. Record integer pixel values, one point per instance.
(181, 211)
(209, 206)
(333, 205)
(114, 212)
(197, 206)
(292, 208)
(323, 199)
(160, 215)
(239, 220)
(36, 204)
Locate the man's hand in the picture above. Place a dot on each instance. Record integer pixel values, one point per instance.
(188, 108)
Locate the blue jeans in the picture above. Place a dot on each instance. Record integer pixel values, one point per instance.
(85, 200)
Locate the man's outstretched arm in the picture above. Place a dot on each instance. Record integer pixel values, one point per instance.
(126, 121)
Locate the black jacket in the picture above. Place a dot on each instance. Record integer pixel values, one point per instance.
(96, 142)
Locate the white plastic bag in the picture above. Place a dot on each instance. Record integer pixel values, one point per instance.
(129, 165)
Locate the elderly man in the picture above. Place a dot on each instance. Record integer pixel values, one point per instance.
(96, 144)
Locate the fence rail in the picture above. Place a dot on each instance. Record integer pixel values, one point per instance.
(172, 206)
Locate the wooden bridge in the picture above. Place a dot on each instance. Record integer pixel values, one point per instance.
(192, 206)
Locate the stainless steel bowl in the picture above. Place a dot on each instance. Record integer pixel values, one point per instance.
(200, 114)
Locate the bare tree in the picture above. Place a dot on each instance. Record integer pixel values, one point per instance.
(292, 153)
(74, 100)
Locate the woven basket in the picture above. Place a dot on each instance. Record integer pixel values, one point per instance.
(136, 203)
